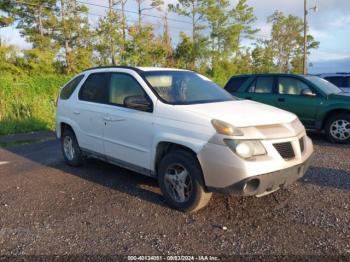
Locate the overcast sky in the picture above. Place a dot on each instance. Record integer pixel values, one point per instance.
(330, 25)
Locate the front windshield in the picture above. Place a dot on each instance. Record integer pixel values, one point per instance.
(327, 87)
(184, 87)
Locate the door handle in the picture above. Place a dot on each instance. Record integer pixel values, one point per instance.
(76, 112)
(281, 99)
(110, 119)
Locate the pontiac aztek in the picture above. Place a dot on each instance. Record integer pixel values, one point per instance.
(183, 129)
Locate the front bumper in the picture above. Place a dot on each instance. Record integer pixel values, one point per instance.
(267, 183)
(226, 172)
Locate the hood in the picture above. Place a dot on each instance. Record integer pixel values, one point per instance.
(242, 113)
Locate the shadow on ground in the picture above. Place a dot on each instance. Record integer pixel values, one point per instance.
(146, 188)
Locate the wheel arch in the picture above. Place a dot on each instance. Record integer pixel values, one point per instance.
(164, 147)
(332, 112)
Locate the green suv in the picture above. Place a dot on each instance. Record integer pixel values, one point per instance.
(319, 104)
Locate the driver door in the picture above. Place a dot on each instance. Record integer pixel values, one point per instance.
(128, 133)
(291, 98)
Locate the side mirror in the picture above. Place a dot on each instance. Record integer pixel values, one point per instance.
(307, 92)
(139, 103)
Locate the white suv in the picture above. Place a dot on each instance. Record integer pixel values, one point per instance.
(184, 130)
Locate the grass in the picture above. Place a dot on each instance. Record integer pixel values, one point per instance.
(27, 103)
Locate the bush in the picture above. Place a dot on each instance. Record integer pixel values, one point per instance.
(27, 103)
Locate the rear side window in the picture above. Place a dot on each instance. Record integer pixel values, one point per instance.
(336, 80)
(122, 86)
(69, 88)
(95, 88)
(235, 83)
(262, 85)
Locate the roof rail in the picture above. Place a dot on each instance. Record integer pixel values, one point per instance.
(102, 67)
(342, 73)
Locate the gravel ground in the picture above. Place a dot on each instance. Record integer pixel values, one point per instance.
(49, 208)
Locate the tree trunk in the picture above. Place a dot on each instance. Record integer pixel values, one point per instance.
(193, 34)
(123, 2)
(112, 47)
(66, 40)
(41, 28)
(139, 12)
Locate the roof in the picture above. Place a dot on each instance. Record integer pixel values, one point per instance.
(137, 69)
(334, 74)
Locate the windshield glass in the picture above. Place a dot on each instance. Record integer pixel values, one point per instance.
(183, 87)
(327, 87)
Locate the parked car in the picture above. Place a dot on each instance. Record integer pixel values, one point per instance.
(319, 104)
(181, 128)
(341, 80)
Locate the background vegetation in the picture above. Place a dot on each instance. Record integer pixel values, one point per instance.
(65, 41)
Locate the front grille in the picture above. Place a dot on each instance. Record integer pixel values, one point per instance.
(302, 145)
(285, 150)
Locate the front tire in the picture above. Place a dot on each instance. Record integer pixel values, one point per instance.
(70, 148)
(338, 128)
(181, 181)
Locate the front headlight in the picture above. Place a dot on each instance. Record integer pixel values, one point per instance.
(225, 128)
(246, 148)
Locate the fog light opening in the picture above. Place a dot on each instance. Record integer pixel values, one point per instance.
(251, 186)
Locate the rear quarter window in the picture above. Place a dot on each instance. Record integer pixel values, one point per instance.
(235, 83)
(69, 88)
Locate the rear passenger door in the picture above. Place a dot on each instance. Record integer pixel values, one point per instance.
(88, 112)
(262, 89)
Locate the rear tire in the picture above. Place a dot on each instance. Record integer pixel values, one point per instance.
(181, 181)
(70, 148)
(337, 128)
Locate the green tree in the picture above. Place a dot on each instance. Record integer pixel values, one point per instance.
(228, 26)
(35, 20)
(183, 53)
(193, 9)
(74, 36)
(5, 15)
(286, 39)
(262, 58)
(244, 20)
(109, 37)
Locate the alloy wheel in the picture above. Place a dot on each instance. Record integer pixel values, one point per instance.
(178, 183)
(68, 147)
(340, 129)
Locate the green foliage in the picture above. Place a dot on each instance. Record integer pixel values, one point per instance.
(287, 40)
(28, 102)
(35, 21)
(65, 42)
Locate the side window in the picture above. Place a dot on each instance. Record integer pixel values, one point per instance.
(336, 80)
(122, 86)
(95, 88)
(69, 88)
(290, 86)
(347, 81)
(262, 85)
(235, 83)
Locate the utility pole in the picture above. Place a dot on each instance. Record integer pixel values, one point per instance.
(305, 71)
(306, 12)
